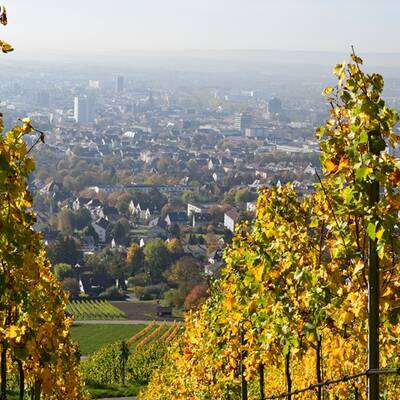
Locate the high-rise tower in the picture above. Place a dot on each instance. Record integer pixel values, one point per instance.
(80, 109)
(119, 84)
(84, 107)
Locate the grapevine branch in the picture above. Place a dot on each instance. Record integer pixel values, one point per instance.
(40, 138)
(331, 207)
(334, 216)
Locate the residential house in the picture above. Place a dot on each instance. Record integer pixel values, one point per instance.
(196, 250)
(251, 206)
(201, 219)
(219, 175)
(310, 170)
(196, 208)
(88, 244)
(141, 211)
(179, 218)
(215, 258)
(79, 202)
(215, 263)
(101, 227)
(157, 222)
(109, 213)
(56, 189)
(93, 203)
(230, 219)
(212, 163)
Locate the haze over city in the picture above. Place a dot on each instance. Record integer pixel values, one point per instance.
(48, 27)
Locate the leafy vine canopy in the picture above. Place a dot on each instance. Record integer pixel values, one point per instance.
(293, 296)
(35, 340)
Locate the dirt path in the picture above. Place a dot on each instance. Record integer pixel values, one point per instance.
(137, 311)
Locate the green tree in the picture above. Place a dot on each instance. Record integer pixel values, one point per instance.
(242, 196)
(115, 261)
(120, 230)
(175, 248)
(229, 198)
(157, 199)
(156, 259)
(99, 270)
(122, 207)
(64, 250)
(175, 231)
(185, 274)
(63, 271)
(217, 213)
(189, 197)
(66, 222)
(82, 218)
(70, 183)
(89, 231)
(135, 258)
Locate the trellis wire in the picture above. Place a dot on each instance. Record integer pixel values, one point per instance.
(345, 378)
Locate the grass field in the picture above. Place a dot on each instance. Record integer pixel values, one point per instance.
(93, 337)
(109, 391)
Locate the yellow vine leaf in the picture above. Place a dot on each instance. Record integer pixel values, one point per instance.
(330, 166)
(328, 90)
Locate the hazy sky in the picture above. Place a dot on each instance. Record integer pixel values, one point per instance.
(99, 26)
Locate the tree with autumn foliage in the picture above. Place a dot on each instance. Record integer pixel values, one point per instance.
(196, 296)
(35, 343)
(291, 307)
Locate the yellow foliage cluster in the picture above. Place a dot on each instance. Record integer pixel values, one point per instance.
(35, 340)
(293, 296)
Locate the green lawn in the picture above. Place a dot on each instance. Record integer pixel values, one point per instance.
(93, 337)
(108, 391)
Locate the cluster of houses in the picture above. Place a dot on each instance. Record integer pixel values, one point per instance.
(202, 150)
(142, 215)
(224, 154)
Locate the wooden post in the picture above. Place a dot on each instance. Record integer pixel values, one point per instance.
(356, 397)
(242, 377)
(288, 376)
(124, 354)
(37, 390)
(21, 380)
(262, 385)
(3, 368)
(373, 283)
(319, 367)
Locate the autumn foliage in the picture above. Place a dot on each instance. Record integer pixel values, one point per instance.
(292, 299)
(35, 344)
(35, 338)
(196, 296)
